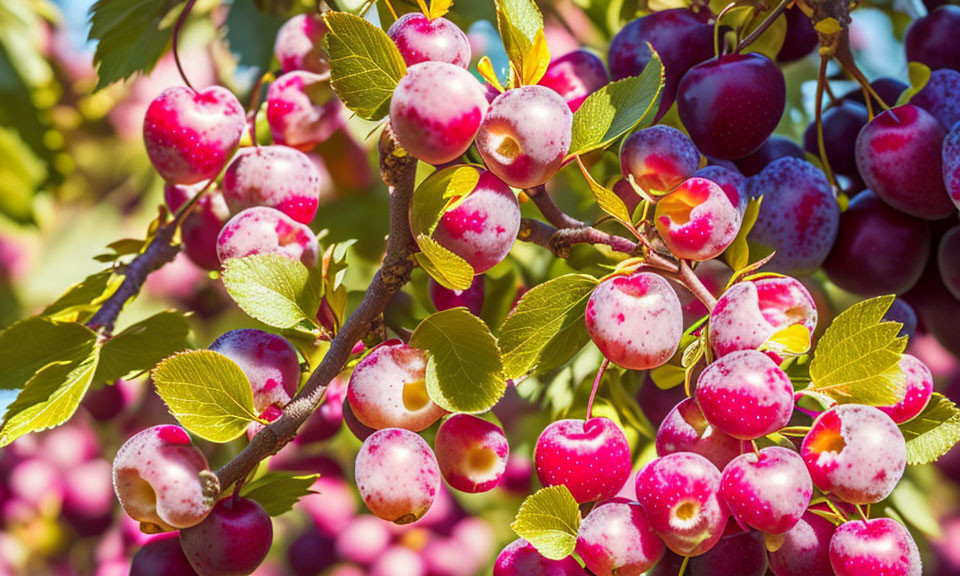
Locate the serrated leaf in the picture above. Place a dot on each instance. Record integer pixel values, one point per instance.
(618, 107)
(519, 21)
(275, 290)
(365, 65)
(131, 36)
(793, 340)
(857, 359)
(933, 432)
(33, 343)
(437, 194)
(737, 254)
(608, 201)
(549, 313)
(141, 346)
(549, 521)
(207, 393)
(464, 371)
(84, 297)
(448, 269)
(279, 492)
(50, 397)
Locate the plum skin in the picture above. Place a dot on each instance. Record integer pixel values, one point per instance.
(805, 550)
(278, 177)
(697, 221)
(745, 394)
(264, 230)
(397, 475)
(615, 538)
(635, 320)
(951, 164)
(233, 539)
(686, 430)
(472, 298)
(565, 445)
(519, 558)
(202, 226)
(156, 475)
(302, 110)
(269, 361)
(917, 392)
(472, 453)
(769, 491)
(387, 389)
(422, 40)
(876, 546)
(298, 42)
(190, 135)
(856, 453)
(574, 76)
(659, 158)
(161, 556)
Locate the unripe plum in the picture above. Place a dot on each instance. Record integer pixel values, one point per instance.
(471, 298)
(917, 390)
(768, 491)
(879, 546)
(397, 475)
(615, 539)
(686, 430)
(234, 539)
(878, 250)
(659, 158)
(730, 180)
(298, 44)
(482, 228)
(388, 389)
(269, 361)
(574, 76)
(156, 475)
(899, 158)
(856, 453)
(636, 320)
(799, 216)
(750, 312)
(263, 230)
(420, 39)
(565, 445)
(525, 135)
(697, 221)
(775, 148)
(841, 125)
(681, 39)
(190, 135)
(519, 558)
(680, 494)
(939, 97)
(472, 453)
(278, 177)
(436, 111)
(161, 556)
(951, 164)
(745, 394)
(931, 40)
(805, 548)
(302, 110)
(730, 105)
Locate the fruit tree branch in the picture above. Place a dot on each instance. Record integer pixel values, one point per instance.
(399, 172)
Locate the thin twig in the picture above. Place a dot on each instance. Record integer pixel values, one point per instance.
(177, 28)
(759, 30)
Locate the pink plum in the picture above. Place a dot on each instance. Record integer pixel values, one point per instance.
(269, 361)
(730, 180)
(574, 76)
(234, 539)
(399, 561)
(881, 546)
(263, 230)
(471, 298)
(420, 39)
(274, 176)
(615, 539)
(951, 164)
(302, 110)
(161, 556)
(298, 44)
(768, 491)
(697, 221)
(363, 540)
(686, 430)
(591, 458)
(917, 391)
(397, 475)
(805, 550)
(472, 453)
(519, 558)
(659, 158)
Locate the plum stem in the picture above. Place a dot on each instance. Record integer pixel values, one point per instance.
(683, 565)
(759, 30)
(596, 385)
(716, 27)
(177, 28)
(821, 146)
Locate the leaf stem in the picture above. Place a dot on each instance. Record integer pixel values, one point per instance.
(596, 385)
(821, 83)
(177, 28)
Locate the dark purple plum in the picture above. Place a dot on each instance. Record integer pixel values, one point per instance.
(889, 90)
(801, 38)
(948, 262)
(901, 311)
(576, 75)
(841, 125)
(939, 97)
(932, 40)
(775, 148)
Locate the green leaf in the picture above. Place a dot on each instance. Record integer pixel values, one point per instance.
(793, 340)
(450, 270)
(464, 371)
(857, 358)
(919, 76)
(617, 108)
(21, 174)
(737, 254)
(547, 324)
(279, 492)
(275, 290)
(520, 23)
(33, 343)
(131, 36)
(668, 376)
(608, 201)
(207, 393)
(50, 397)
(438, 193)
(250, 34)
(365, 65)
(549, 521)
(84, 297)
(771, 40)
(140, 347)
(933, 432)
(915, 506)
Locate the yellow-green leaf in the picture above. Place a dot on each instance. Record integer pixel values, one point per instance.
(83, 298)
(668, 376)
(617, 108)
(857, 359)
(50, 397)
(485, 68)
(549, 314)
(737, 254)
(140, 347)
(933, 432)
(537, 59)
(365, 65)
(608, 201)
(439, 8)
(828, 26)
(519, 22)
(33, 343)
(273, 289)
(448, 269)
(919, 76)
(207, 393)
(793, 340)
(278, 492)
(464, 371)
(549, 521)
(21, 174)
(438, 193)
